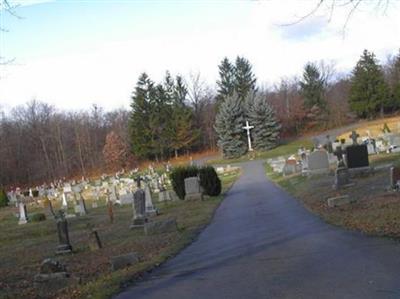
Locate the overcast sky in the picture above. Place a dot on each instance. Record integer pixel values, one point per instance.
(76, 53)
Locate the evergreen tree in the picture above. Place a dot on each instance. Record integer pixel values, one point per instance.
(226, 83)
(139, 122)
(369, 91)
(312, 87)
(229, 127)
(245, 80)
(181, 133)
(260, 114)
(395, 86)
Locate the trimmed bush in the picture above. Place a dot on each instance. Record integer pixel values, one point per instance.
(37, 217)
(210, 181)
(3, 198)
(178, 176)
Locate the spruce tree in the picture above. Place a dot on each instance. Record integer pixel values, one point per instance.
(139, 122)
(312, 87)
(229, 127)
(260, 114)
(181, 132)
(226, 83)
(369, 91)
(245, 80)
(395, 86)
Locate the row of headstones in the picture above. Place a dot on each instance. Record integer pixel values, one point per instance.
(80, 204)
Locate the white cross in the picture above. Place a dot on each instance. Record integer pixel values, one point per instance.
(248, 128)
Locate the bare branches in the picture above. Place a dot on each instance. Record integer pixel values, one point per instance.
(332, 5)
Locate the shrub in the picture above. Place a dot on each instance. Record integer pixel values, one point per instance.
(210, 181)
(178, 176)
(3, 198)
(37, 217)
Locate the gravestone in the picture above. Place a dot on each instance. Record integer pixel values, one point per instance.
(357, 156)
(139, 208)
(164, 196)
(192, 189)
(318, 162)
(123, 261)
(342, 177)
(395, 178)
(48, 208)
(52, 277)
(23, 215)
(80, 205)
(94, 240)
(354, 137)
(64, 245)
(110, 211)
(329, 146)
(64, 204)
(160, 226)
(340, 201)
(371, 149)
(150, 210)
(291, 167)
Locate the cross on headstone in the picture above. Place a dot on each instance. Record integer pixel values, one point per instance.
(248, 128)
(354, 137)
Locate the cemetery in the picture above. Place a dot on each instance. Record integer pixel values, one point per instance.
(345, 182)
(93, 235)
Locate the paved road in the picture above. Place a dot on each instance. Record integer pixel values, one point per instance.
(263, 244)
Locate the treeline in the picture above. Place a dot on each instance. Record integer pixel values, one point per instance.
(40, 143)
(178, 116)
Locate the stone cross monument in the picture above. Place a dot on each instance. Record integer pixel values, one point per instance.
(248, 128)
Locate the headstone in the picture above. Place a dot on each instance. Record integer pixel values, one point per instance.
(139, 208)
(123, 261)
(150, 210)
(52, 277)
(340, 201)
(342, 177)
(94, 241)
(80, 205)
(164, 196)
(371, 149)
(64, 245)
(67, 188)
(160, 226)
(110, 211)
(318, 162)
(395, 178)
(192, 189)
(48, 208)
(64, 204)
(290, 167)
(357, 156)
(329, 146)
(23, 215)
(354, 137)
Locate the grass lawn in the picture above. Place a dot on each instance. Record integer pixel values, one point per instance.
(376, 211)
(285, 149)
(24, 247)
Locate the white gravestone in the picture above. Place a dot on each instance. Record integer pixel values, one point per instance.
(23, 217)
(318, 162)
(192, 189)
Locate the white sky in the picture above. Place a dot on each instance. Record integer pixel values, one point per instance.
(95, 54)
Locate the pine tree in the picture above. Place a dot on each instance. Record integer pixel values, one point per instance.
(229, 127)
(260, 114)
(395, 86)
(181, 133)
(312, 87)
(369, 91)
(139, 122)
(245, 80)
(226, 83)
